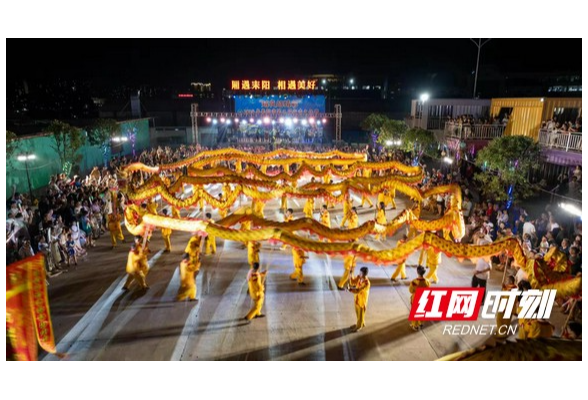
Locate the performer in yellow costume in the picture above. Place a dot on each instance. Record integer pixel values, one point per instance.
(365, 197)
(175, 212)
(349, 263)
(381, 219)
(353, 219)
(289, 216)
(347, 205)
(210, 239)
(433, 261)
(115, 229)
(135, 269)
(309, 208)
(166, 234)
(222, 212)
(383, 197)
(325, 216)
(420, 281)
(360, 287)
(298, 257)
(401, 267)
(327, 178)
(189, 268)
(199, 191)
(412, 231)
(258, 207)
(193, 247)
(390, 198)
(255, 282)
(253, 252)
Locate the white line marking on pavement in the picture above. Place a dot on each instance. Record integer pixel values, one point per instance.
(82, 335)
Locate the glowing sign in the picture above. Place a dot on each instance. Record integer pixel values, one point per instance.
(276, 107)
(281, 84)
(185, 95)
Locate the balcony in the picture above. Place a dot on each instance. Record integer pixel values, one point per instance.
(560, 140)
(474, 132)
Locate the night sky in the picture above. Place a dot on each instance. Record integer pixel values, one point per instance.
(178, 62)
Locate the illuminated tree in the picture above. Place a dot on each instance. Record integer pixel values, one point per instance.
(67, 141)
(506, 164)
(420, 142)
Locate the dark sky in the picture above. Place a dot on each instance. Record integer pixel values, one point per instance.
(174, 61)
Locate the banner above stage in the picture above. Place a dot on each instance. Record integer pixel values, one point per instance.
(291, 85)
(281, 106)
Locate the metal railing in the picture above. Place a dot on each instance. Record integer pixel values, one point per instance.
(567, 141)
(475, 131)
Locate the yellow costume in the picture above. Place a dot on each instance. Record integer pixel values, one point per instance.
(298, 257)
(199, 190)
(284, 203)
(255, 281)
(175, 212)
(433, 261)
(188, 270)
(166, 235)
(381, 219)
(535, 329)
(114, 228)
(309, 208)
(390, 198)
(210, 244)
(222, 212)
(258, 207)
(361, 290)
(349, 263)
(347, 205)
(417, 283)
(381, 199)
(401, 267)
(238, 167)
(135, 269)
(193, 247)
(364, 199)
(353, 221)
(253, 253)
(287, 218)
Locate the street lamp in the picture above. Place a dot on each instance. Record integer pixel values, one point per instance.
(120, 140)
(479, 43)
(424, 98)
(26, 158)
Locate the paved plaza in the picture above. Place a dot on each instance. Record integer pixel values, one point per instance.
(94, 319)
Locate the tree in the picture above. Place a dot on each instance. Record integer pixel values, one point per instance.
(506, 163)
(67, 142)
(100, 133)
(11, 145)
(392, 131)
(102, 130)
(420, 142)
(374, 123)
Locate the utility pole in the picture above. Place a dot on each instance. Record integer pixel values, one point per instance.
(479, 45)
